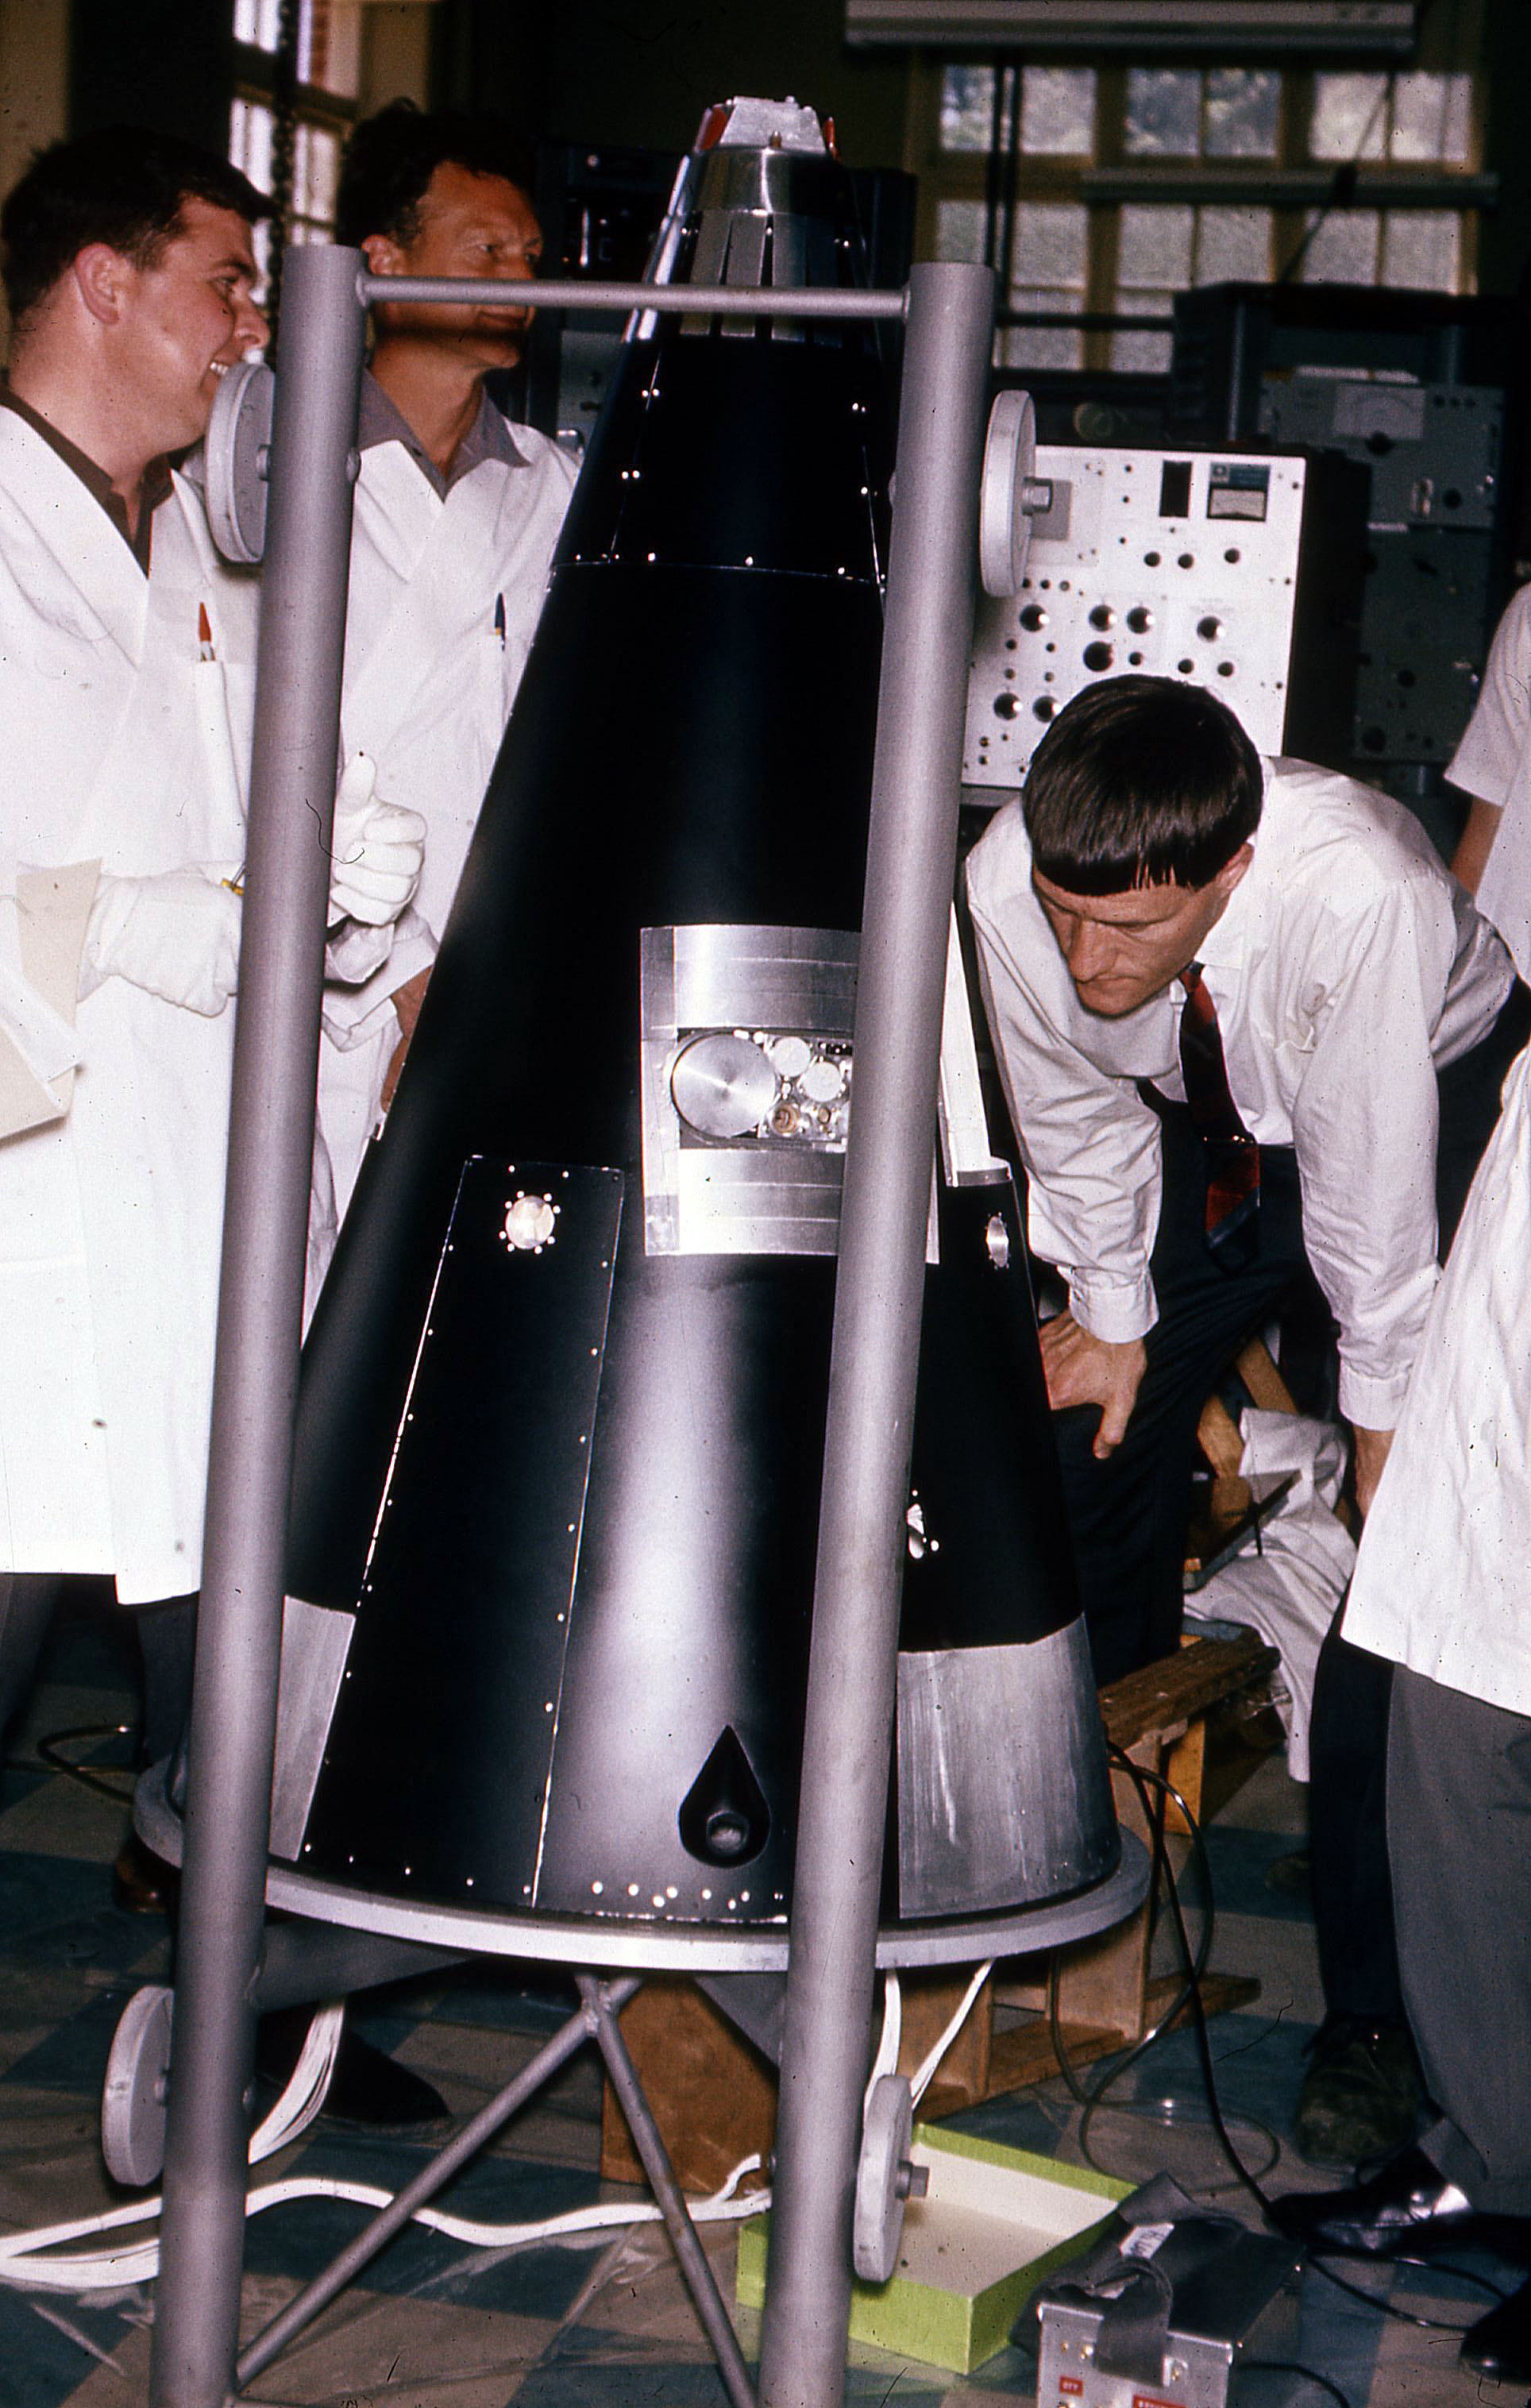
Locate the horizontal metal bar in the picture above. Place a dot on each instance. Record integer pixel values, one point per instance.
(689, 300)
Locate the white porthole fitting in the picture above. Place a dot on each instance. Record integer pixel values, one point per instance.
(236, 452)
(1011, 494)
(529, 1223)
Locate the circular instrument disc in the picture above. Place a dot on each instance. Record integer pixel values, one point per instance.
(723, 1086)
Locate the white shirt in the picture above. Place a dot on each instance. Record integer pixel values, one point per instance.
(1347, 967)
(446, 591)
(1493, 762)
(1443, 1581)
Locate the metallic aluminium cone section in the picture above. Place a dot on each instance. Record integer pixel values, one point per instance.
(563, 1414)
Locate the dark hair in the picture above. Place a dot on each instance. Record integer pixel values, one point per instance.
(391, 158)
(1140, 782)
(123, 186)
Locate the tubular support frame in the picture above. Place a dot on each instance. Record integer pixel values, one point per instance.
(878, 1293)
(566, 2041)
(271, 1136)
(847, 1732)
(675, 300)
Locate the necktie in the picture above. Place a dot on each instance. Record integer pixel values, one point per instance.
(1233, 1159)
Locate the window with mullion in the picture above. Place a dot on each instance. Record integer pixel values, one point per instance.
(1190, 127)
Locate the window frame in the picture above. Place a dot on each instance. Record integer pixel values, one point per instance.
(1289, 184)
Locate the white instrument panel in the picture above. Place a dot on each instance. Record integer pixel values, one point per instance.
(1175, 564)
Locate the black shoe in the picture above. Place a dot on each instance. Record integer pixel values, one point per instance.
(142, 1883)
(1499, 2343)
(367, 2088)
(1408, 2209)
(1362, 2094)
(1291, 1876)
(370, 2088)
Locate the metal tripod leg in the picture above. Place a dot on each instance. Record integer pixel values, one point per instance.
(601, 2001)
(431, 2178)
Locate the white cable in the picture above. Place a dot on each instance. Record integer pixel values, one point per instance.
(308, 2085)
(22, 2262)
(921, 2080)
(889, 2038)
(138, 2261)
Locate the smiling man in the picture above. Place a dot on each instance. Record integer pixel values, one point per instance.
(130, 295)
(129, 273)
(1233, 1002)
(126, 659)
(457, 514)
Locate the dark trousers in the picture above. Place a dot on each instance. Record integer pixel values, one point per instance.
(1128, 1515)
(1459, 1828)
(167, 1636)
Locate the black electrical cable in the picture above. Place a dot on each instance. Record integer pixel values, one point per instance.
(1142, 1779)
(1091, 2099)
(50, 1751)
(1314, 2258)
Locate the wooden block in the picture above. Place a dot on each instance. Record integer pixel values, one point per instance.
(1185, 1766)
(1237, 1735)
(713, 2095)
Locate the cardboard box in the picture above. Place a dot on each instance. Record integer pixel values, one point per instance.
(991, 2227)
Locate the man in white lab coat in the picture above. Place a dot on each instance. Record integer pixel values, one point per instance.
(1440, 1592)
(126, 673)
(1251, 1033)
(1492, 765)
(457, 514)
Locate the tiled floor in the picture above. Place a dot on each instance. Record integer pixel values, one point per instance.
(435, 2324)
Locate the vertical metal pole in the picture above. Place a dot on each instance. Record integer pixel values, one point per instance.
(878, 1296)
(234, 1709)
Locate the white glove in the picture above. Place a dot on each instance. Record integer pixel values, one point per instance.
(376, 852)
(176, 935)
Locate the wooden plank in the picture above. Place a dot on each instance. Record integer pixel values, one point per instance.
(1267, 1387)
(929, 2003)
(1219, 1437)
(1162, 1698)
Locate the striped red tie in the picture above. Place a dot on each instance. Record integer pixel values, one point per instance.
(1233, 1158)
